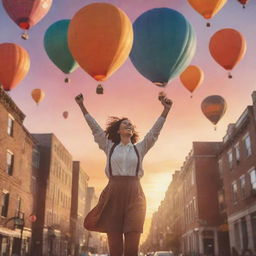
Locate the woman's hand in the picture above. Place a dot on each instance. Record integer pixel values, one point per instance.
(167, 103)
(79, 99)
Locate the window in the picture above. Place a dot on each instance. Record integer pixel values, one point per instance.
(244, 232)
(33, 185)
(220, 163)
(253, 179)
(192, 176)
(237, 235)
(221, 200)
(35, 158)
(247, 143)
(10, 125)
(9, 162)
(230, 158)
(253, 222)
(237, 152)
(242, 185)
(234, 192)
(4, 203)
(194, 206)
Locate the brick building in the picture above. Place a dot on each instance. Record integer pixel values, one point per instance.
(51, 231)
(189, 220)
(19, 162)
(78, 208)
(202, 231)
(237, 165)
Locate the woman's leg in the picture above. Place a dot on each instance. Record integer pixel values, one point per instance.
(115, 243)
(131, 243)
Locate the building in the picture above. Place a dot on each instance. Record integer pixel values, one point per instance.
(184, 221)
(78, 207)
(237, 165)
(202, 233)
(51, 231)
(19, 162)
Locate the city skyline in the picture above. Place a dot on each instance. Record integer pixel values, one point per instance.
(185, 122)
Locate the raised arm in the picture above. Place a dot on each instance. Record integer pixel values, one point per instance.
(98, 133)
(151, 137)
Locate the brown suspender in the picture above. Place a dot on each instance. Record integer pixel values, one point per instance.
(138, 163)
(110, 155)
(109, 161)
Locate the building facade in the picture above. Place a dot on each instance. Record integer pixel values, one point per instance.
(237, 166)
(51, 232)
(19, 162)
(78, 208)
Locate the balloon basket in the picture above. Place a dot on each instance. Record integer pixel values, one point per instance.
(25, 36)
(67, 80)
(243, 6)
(215, 128)
(191, 96)
(208, 24)
(99, 89)
(230, 75)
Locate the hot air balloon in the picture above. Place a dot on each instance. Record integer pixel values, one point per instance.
(65, 114)
(56, 47)
(214, 107)
(26, 13)
(227, 47)
(14, 65)
(207, 8)
(37, 95)
(243, 2)
(192, 77)
(100, 38)
(164, 44)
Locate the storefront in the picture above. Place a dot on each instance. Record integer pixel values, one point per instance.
(10, 242)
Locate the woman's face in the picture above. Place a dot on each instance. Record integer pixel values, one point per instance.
(126, 128)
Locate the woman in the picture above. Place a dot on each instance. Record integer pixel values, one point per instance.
(122, 206)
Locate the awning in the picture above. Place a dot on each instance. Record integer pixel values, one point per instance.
(9, 232)
(14, 233)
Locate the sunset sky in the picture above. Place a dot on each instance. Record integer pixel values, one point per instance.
(128, 93)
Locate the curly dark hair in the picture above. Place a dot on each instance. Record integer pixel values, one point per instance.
(112, 128)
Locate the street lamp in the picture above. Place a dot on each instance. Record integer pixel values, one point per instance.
(19, 222)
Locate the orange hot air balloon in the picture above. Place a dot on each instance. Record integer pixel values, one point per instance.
(207, 8)
(37, 95)
(65, 114)
(14, 65)
(227, 47)
(214, 107)
(192, 77)
(100, 38)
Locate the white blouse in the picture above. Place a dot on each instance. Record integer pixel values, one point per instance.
(124, 159)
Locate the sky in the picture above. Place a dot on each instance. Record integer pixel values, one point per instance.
(128, 93)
